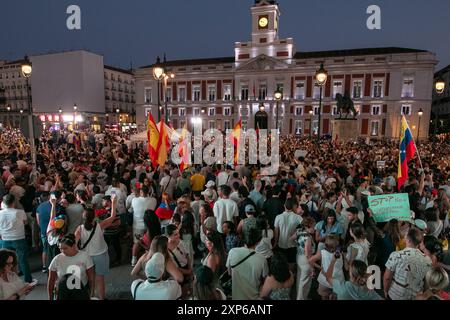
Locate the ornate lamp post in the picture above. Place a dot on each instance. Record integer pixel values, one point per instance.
(26, 70)
(158, 75)
(278, 95)
(420, 113)
(75, 116)
(321, 78)
(439, 86)
(60, 118)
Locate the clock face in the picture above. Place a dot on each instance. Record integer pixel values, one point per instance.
(263, 22)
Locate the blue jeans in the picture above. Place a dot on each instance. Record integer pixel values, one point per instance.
(21, 249)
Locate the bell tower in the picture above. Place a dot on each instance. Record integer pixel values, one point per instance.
(265, 40)
(265, 19)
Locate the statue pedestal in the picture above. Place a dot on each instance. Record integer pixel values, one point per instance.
(345, 129)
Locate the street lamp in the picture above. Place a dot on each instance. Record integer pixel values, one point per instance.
(278, 95)
(75, 108)
(310, 123)
(420, 113)
(158, 75)
(26, 70)
(321, 78)
(8, 108)
(439, 86)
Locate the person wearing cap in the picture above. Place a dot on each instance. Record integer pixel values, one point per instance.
(154, 288)
(210, 186)
(208, 195)
(247, 223)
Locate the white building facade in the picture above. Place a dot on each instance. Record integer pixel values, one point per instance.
(71, 89)
(218, 92)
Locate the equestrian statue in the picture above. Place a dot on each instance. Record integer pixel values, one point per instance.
(345, 105)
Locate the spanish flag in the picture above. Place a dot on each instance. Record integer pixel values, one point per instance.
(183, 151)
(152, 137)
(163, 145)
(407, 151)
(236, 139)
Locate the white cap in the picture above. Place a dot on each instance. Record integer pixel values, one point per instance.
(210, 184)
(155, 267)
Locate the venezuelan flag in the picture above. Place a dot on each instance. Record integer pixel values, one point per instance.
(407, 151)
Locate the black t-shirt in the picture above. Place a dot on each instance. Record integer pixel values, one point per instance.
(273, 207)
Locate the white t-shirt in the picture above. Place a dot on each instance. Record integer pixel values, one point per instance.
(78, 264)
(130, 198)
(14, 284)
(168, 184)
(162, 290)
(97, 245)
(248, 275)
(225, 210)
(140, 205)
(338, 272)
(264, 247)
(287, 222)
(12, 224)
(222, 178)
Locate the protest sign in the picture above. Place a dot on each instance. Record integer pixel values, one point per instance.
(390, 206)
(381, 164)
(300, 153)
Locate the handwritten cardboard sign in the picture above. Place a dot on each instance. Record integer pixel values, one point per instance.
(390, 206)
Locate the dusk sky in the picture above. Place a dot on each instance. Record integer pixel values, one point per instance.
(138, 30)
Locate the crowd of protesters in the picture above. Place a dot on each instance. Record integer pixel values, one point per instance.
(222, 232)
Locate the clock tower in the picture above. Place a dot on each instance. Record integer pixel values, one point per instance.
(265, 40)
(265, 18)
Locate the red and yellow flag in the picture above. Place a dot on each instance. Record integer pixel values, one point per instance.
(183, 151)
(236, 139)
(163, 145)
(152, 137)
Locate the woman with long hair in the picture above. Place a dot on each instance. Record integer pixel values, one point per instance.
(216, 257)
(153, 226)
(180, 256)
(305, 250)
(328, 226)
(390, 237)
(90, 238)
(187, 233)
(204, 287)
(277, 285)
(159, 244)
(12, 286)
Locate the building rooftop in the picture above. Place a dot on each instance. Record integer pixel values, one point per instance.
(298, 55)
(192, 62)
(118, 69)
(442, 71)
(354, 52)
